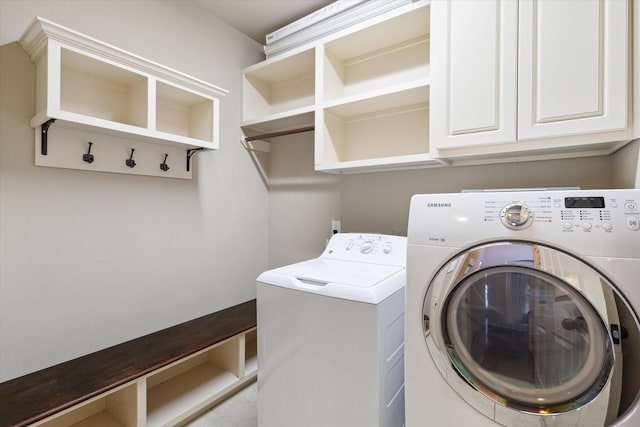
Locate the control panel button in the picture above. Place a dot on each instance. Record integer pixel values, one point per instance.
(633, 223)
(631, 206)
(349, 245)
(567, 225)
(586, 225)
(607, 226)
(386, 248)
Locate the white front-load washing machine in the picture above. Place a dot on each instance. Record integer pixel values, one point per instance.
(331, 336)
(522, 309)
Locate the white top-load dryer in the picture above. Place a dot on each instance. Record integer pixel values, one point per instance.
(331, 336)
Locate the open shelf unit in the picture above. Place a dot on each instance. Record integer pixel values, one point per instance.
(172, 394)
(374, 112)
(370, 102)
(86, 85)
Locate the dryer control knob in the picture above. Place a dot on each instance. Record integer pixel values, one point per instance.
(516, 216)
(366, 247)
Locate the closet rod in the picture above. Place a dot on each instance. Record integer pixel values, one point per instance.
(280, 133)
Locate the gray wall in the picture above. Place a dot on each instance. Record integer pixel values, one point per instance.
(88, 260)
(625, 166)
(302, 202)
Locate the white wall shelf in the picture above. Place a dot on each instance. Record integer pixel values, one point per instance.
(374, 84)
(365, 89)
(88, 86)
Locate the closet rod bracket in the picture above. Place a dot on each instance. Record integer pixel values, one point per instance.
(44, 130)
(190, 154)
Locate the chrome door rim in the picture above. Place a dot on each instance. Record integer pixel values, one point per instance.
(575, 392)
(434, 311)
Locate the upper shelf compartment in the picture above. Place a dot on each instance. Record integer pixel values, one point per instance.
(280, 93)
(87, 84)
(381, 55)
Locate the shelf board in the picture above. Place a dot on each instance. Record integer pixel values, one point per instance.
(106, 127)
(283, 68)
(101, 419)
(300, 117)
(389, 98)
(183, 395)
(381, 163)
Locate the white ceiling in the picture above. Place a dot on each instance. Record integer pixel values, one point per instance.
(257, 18)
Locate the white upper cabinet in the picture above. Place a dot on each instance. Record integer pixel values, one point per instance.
(474, 72)
(540, 75)
(573, 62)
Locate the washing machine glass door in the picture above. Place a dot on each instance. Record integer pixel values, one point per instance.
(527, 326)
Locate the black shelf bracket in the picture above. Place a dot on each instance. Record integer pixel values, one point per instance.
(190, 154)
(44, 129)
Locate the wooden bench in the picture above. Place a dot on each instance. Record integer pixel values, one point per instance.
(142, 381)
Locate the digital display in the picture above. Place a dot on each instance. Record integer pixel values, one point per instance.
(584, 202)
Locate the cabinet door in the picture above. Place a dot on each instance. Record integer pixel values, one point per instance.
(573, 62)
(474, 66)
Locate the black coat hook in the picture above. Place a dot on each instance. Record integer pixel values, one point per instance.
(130, 162)
(88, 157)
(164, 166)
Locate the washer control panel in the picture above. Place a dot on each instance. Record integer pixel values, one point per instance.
(372, 248)
(369, 244)
(592, 222)
(574, 213)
